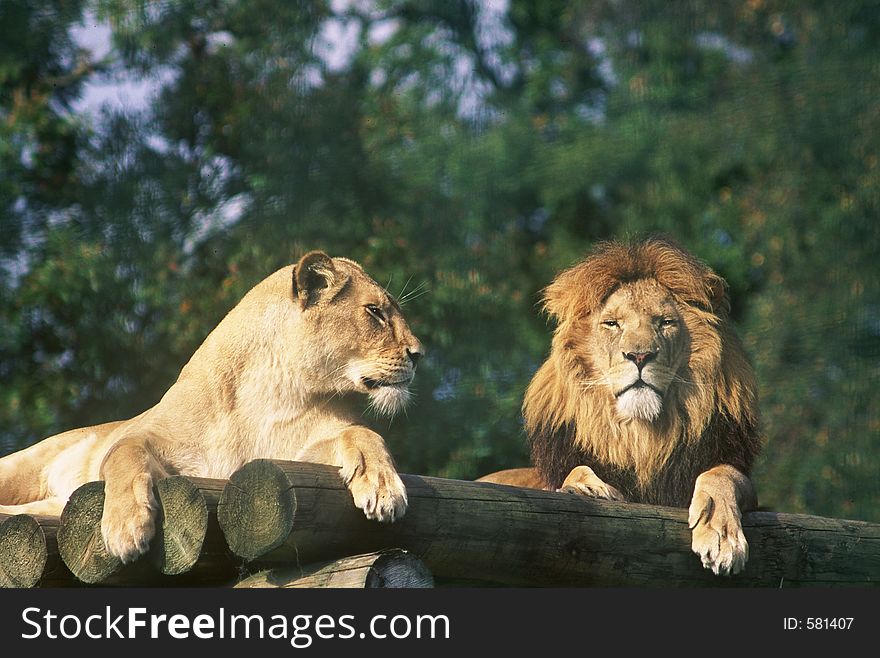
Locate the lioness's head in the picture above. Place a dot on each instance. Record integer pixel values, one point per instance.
(358, 338)
(628, 318)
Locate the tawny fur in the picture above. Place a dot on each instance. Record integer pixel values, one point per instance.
(278, 378)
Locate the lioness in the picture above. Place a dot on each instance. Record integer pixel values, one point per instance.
(274, 379)
(647, 394)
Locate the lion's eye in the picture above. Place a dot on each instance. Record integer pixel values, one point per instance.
(610, 323)
(377, 313)
(667, 322)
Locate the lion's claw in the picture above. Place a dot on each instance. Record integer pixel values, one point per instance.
(582, 480)
(717, 535)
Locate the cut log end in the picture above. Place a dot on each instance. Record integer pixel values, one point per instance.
(256, 509)
(184, 524)
(79, 536)
(23, 552)
(393, 568)
(398, 569)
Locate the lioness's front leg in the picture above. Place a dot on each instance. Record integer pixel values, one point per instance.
(369, 473)
(721, 494)
(129, 520)
(583, 480)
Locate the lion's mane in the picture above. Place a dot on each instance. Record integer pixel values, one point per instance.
(709, 413)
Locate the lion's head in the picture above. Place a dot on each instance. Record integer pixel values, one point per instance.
(639, 342)
(645, 372)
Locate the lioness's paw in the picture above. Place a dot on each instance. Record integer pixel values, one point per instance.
(128, 522)
(379, 492)
(717, 535)
(582, 480)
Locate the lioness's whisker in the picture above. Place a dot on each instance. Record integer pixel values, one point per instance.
(411, 296)
(412, 292)
(403, 290)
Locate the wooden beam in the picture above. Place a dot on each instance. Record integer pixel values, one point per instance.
(393, 568)
(282, 513)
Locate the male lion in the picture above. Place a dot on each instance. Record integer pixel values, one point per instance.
(647, 394)
(274, 379)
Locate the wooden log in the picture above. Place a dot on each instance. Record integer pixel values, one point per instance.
(79, 538)
(22, 551)
(393, 568)
(282, 512)
(29, 551)
(187, 536)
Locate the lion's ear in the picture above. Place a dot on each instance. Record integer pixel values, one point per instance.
(578, 291)
(716, 290)
(557, 298)
(573, 293)
(315, 278)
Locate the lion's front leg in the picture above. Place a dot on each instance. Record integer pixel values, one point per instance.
(128, 522)
(721, 494)
(583, 480)
(369, 473)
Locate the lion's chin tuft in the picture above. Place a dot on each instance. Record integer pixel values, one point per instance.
(640, 403)
(388, 400)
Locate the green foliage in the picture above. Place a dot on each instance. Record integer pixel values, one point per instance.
(464, 157)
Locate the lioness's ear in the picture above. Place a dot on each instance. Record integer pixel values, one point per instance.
(314, 277)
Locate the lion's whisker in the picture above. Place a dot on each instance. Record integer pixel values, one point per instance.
(682, 380)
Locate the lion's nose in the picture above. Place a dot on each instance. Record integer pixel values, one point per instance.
(639, 358)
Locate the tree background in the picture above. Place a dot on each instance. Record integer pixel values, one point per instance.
(464, 152)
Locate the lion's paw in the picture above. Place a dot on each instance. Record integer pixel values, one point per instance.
(584, 481)
(379, 492)
(128, 522)
(717, 535)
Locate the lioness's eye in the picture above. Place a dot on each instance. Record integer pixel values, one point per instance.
(610, 323)
(377, 313)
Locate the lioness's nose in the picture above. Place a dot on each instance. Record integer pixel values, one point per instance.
(639, 358)
(415, 352)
